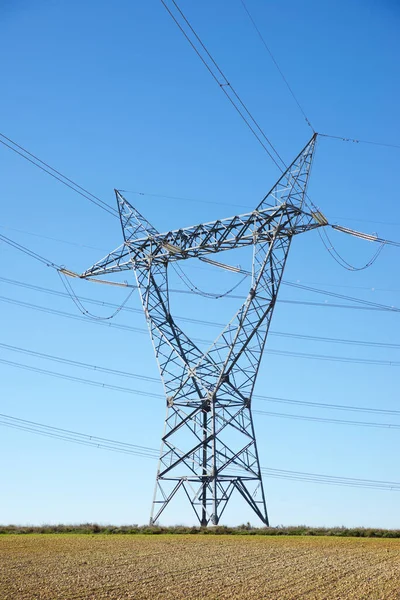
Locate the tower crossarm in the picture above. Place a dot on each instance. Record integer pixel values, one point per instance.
(259, 226)
(116, 261)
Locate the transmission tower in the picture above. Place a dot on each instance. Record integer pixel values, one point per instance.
(209, 448)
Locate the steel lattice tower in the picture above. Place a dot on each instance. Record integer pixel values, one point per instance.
(209, 448)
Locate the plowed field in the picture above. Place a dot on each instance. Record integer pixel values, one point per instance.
(174, 567)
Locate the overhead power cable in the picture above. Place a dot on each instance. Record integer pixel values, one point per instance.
(344, 359)
(290, 89)
(77, 363)
(152, 453)
(330, 248)
(262, 38)
(327, 406)
(202, 322)
(354, 141)
(196, 290)
(51, 238)
(80, 318)
(82, 380)
(150, 379)
(77, 301)
(336, 295)
(28, 252)
(67, 315)
(40, 164)
(140, 330)
(159, 396)
(328, 420)
(365, 236)
(330, 479)
(223, 83)
(76, 437)
(217, 74)
(367, 288)
(143, 331)
(61, 271)
(330, 340)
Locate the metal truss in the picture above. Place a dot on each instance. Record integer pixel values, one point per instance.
(209, 448)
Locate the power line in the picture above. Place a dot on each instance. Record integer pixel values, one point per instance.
(205, 322)
(351, 287)
(367, 303)
(227, 88)
(196, 290)
(201, 340)
(346, 359)
(341, 296)
(76, 437)
(328, 420)
(355, 141)
(232, 296)
(327, 406)
(28, 252)
(152, 453)
(340, 260)
(330, 248)
(76, 300)
(77, 363)
(391, 223)
(80, 364)
(68, 315)
(329, 479)
(317, 338)
(277, 65)
(365, 236)
(224, 85)
(50, 238)
(336, 137)
(84, 381)
(346, 306)
(43, 166)
(147, 379)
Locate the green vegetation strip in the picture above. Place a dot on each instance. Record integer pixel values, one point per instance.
(247, 529)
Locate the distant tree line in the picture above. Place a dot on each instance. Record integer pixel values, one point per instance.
(245, 529)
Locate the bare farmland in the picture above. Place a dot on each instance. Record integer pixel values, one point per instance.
(114, 567)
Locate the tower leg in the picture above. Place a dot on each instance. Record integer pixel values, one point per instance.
(200, 458)
(204, 520)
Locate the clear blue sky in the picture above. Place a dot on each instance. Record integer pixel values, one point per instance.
(112, 95)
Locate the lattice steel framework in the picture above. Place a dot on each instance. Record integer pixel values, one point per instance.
(209, 447)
